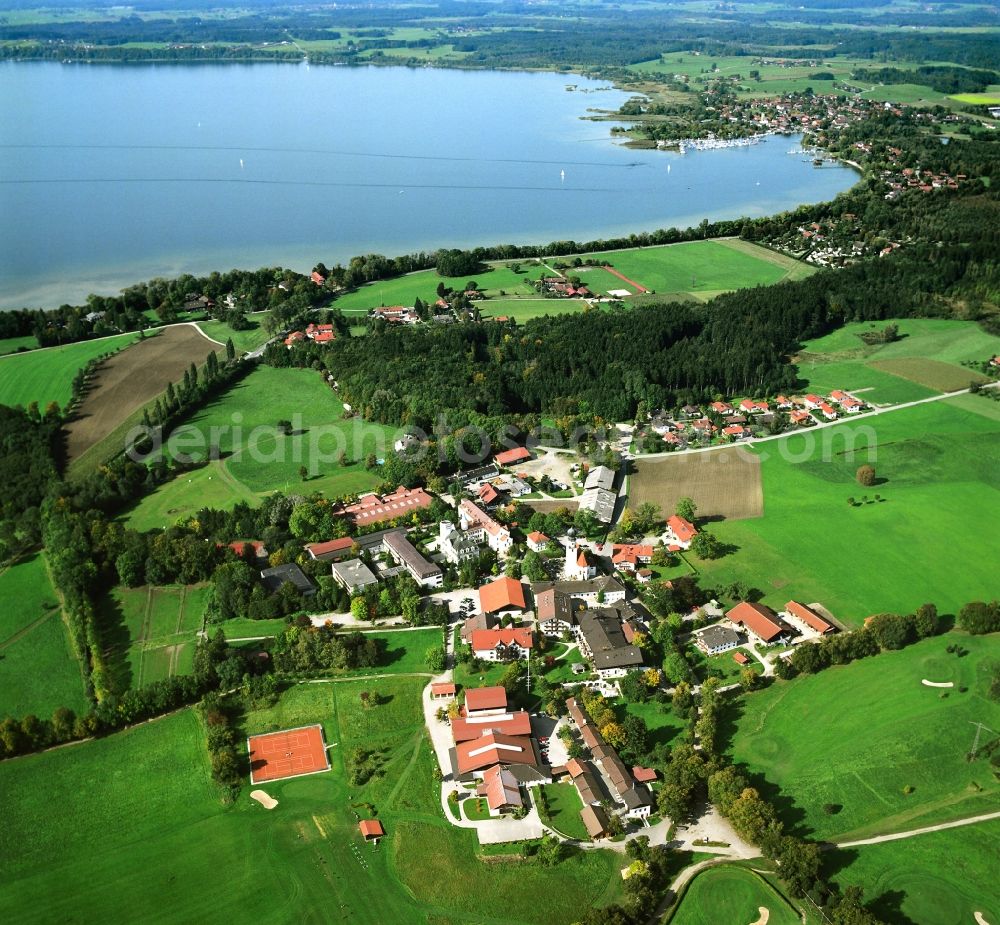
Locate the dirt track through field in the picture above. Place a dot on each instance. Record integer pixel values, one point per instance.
(131, 378)
(724, 485)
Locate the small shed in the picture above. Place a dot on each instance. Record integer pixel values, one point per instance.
(442, 690)
(371, 829)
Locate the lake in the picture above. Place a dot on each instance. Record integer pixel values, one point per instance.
(112, 174)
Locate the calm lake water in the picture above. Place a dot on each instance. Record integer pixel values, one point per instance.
(113, 174)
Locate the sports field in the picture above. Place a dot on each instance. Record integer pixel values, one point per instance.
(38, 671)
(923, 541)
(925, 360)
(733, 895)
(47, 375)
(291, 753)
(942, 878)
(162, 623)
(855, 737)
(702, 268)
(724, 484)
(140, 826)
(258, 460)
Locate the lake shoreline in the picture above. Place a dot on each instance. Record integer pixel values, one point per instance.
(505, 186)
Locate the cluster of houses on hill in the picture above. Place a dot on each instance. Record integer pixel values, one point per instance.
(749, 418)
(317, 333)
(498, 749)
(604, 780)
(593, 612)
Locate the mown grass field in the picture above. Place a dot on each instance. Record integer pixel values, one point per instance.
(522, 310)
(47, 375)
(926, 359)
(38, 671)
(162, 625)
(702, 268)
(257, 460)
(923, 541)
(730, 894)
(856, 736)
(13, 344)
(243, 341)
(140, 826)
(942, 878)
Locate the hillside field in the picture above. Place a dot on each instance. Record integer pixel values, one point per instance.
(938, 466)
(47, 375)
(141, 827)
(855, 736)
(243, 341)
(255, 463)
(941, 878)
(925, 361)
(38, 671)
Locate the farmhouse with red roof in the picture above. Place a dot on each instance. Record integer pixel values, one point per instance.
(760, 622)
(680, 532)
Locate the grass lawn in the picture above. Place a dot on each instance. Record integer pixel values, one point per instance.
(722, 666)
(564, 810)
(257, 460)
(887, 373)
(476, 809)
(810, 545)
(47, 375)
(663, 725)
(403, 290)
(38, 671)
(730, 894)
(522, 310)
(855, 736)
(695, 267)
(242, 627)
(941, 878)
(243, 341)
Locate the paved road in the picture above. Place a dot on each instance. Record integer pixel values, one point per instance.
(895, 836)
(864, 415)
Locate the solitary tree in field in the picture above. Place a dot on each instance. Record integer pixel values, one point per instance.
(686, 508)
(866, 475)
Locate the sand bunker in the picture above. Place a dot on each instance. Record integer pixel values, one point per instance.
(980, 919)
(265, 800)
(763, 917)
(927, 683)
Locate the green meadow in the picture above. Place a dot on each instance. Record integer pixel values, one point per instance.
(938, 466)
(38, 671)
(47, 375)
(243, 341)
(257, 460)
(842, 360)
(842, 747)
(403, 290)
(941, 878)
(731, 894)
(141, 826)
(14, 344)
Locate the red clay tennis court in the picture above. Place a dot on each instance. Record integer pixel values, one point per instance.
(290, 753)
